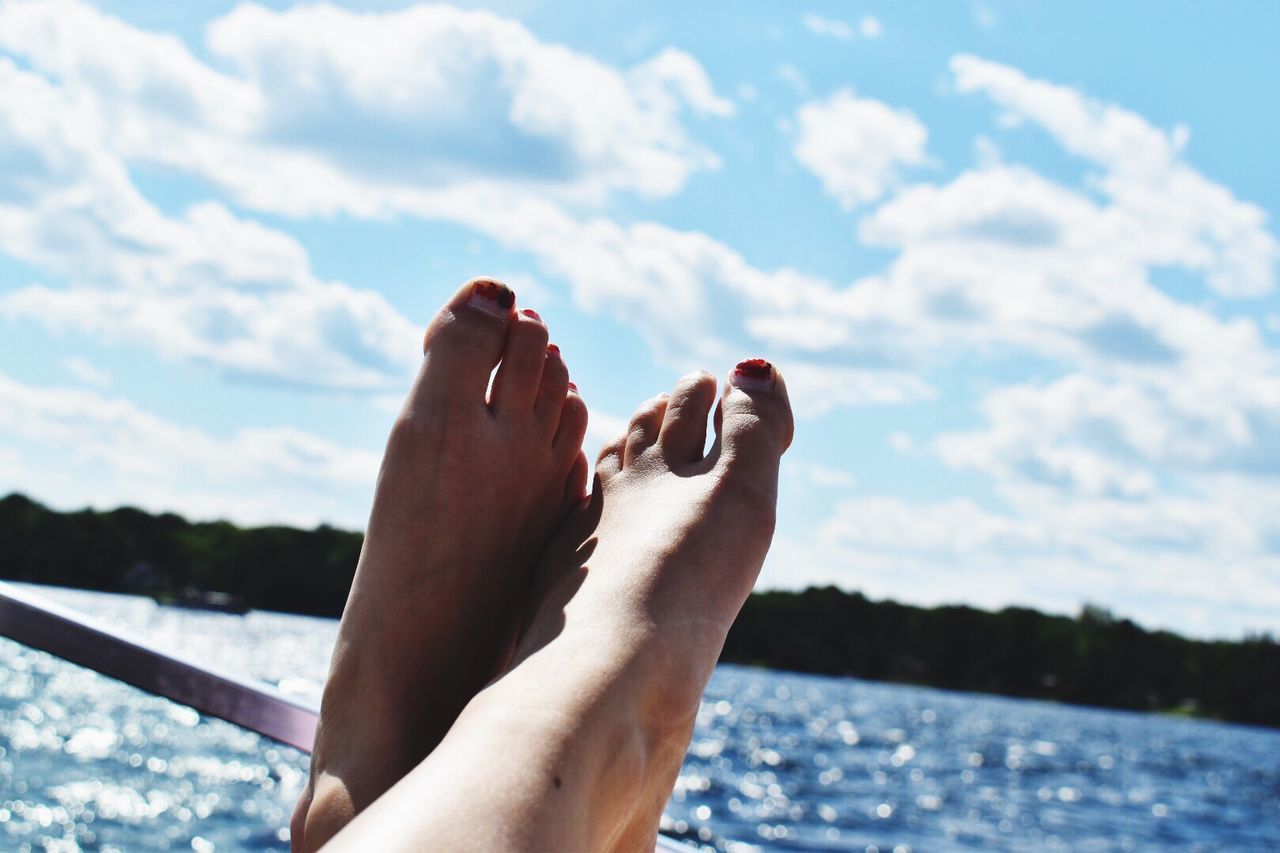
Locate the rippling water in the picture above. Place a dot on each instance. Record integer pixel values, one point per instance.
(778, 761)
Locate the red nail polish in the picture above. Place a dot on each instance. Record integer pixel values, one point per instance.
(553, 350)
(754, 374)
(573, 387)
(493, 297)
(529, 312)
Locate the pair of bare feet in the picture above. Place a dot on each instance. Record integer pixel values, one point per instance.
(519, 665)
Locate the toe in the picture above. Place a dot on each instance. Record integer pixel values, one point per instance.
(575, 487)
(572, 427)
(642, 432)
(754, 421)
(463, 343)
(683, 434)
(555, 384)
(609, 461)
(519, 376)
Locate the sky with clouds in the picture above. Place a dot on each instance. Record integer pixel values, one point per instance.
(1018, 262)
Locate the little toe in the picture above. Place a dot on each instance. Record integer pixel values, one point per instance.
(572, 426)
(754, 422)
(555, 385)
(642, 432)
(683, 434)
(463, 344)
(519, 376)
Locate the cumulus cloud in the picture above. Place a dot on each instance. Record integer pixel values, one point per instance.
(322, 110)
(821, 26)
(1155, 440)
(207, 286)
(1098, 437)
(857, 146)
(110, 451)
(1174, 562)
(1141, 426)
(869, 27)
(220, 289)
(1001, 259)
(82, 370)
(1179, 215)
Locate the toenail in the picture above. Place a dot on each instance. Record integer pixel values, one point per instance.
(552, 349)
(529, 312)
(754, 374)
(573, 387)
(492, 297)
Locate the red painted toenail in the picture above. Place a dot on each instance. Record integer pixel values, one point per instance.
(552, 349)
(529, 312)
(754, 374)
(573, 387)
(493, 297)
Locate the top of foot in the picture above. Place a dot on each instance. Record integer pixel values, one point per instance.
(475, 480)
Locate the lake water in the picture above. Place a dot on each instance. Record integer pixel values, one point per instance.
(778, 761)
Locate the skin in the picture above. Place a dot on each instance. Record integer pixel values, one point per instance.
(577, 745)
(471, 490)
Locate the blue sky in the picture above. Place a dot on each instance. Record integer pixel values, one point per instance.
(1017, 260)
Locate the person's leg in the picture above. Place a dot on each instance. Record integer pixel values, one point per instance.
(577, 746)
(470, 492)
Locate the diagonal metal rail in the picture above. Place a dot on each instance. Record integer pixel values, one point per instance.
(42, 624)
(35, 621)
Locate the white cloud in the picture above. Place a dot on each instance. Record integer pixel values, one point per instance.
(1001, 259)
(1157, 198)
(673, 77)
(984, 16)
(1093, 437)
(817, 389)
(869, 27)
(794, 78)
(109, 452)
(821, 26)
(901, 441)
(208, 286)
(324, 110)
(1175, 562)
(86, 372)
(1156, 441)
(218, 289)
(856, 146)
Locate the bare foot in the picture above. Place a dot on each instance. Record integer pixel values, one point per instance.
(470, 492)
(578, 745)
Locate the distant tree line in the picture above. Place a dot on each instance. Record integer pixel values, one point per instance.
(1093, 659)
(164, 556)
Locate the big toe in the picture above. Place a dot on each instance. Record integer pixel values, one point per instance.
(464, 343)
(754, 422)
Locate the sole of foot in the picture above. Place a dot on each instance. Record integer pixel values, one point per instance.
(474, 482)
(578, 745)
